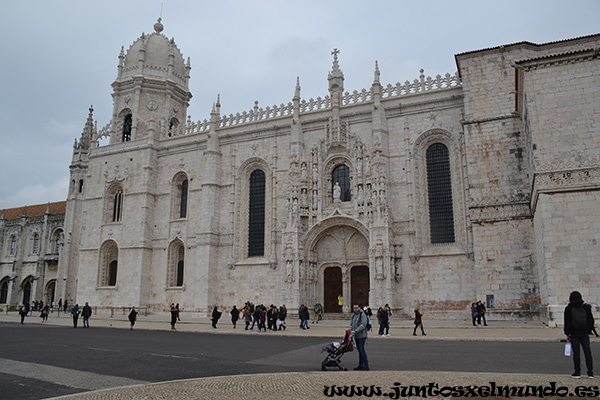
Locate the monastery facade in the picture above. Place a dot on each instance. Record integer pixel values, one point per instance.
(436, 192)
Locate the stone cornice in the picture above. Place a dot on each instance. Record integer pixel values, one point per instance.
(558, 59)
(566, 180)
(499, 212)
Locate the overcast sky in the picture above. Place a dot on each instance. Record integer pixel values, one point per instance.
(60, 57)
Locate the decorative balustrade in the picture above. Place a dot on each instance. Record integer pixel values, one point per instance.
(421, 85)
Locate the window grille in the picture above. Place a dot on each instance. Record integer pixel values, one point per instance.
(256, 215)
(439, 185)
(341, 175)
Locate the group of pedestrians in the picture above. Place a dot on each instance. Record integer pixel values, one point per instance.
(478, 313)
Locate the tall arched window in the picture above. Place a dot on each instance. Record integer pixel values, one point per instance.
(117, 206)
(176, 264)
(341, 175)
(4, 292)
(109, 263)
(13, 245)
(36, 243)
(439, 186)
(256, 215)
(127, 123)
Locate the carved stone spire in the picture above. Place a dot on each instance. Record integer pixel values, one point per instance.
(88, 131)
(336, 76)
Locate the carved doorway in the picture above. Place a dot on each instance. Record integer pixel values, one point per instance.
(332, 281)
(359, 280)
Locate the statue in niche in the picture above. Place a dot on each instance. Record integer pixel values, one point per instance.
(304, 198)
(315, 200)
(295, 206)
(367, 165)
(304, 171)
(315, 174)
(337, 192)
(379, 266)
(359, 167)
(361, 196)
(289, 271)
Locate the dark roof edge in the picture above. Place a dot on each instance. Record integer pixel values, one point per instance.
(528, 44)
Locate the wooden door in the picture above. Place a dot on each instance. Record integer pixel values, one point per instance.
(332, 281)
(359, 279)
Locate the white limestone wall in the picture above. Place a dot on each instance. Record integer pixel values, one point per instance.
(568, 245)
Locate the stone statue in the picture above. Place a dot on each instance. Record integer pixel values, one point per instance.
(337, 192)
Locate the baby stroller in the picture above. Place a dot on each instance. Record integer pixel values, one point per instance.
(335, 351)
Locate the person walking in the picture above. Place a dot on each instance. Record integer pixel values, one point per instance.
(281, 316)
(474, 313)
(75, 311)
(86, 313)
(215, 317)
(235, 315)
(318, 310)
(418, 322)
(304, 317)
(45, 313)
(358, 328)
(178, 310)
(578, 322)
(481, 311)
(132, 317)
(173, 316)
(247, 316)
(384, 321)
(23, 312)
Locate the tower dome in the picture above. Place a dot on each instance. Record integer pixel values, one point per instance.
(154, 56)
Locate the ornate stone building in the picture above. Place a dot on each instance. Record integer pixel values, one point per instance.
(439, 191)
(31, 239)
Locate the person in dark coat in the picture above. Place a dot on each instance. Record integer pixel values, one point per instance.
(281, 316)
(418, 322)
(75, 311)
(86, 313)
(578, 322)
(235, 315)
(304, 317)
(481, 313)
(132, 317)
(215, 317)
(173, 316)
(23, 312)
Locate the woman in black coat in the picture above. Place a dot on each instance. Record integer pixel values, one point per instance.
(215, 317)
(132, 317)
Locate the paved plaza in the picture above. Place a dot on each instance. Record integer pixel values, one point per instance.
(310, 385)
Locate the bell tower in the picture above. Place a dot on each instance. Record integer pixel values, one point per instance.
(151, 93)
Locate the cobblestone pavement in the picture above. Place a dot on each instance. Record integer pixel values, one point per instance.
(311, 385)
(323, 385)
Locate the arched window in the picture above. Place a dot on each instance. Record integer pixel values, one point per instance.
(81, 186)
(341, 176)
(27, 291)
(176, 264)
(256, 214)
(4, 292)
(127, 123)
(36, 243)
(109, 263)
(117, 206)
(13, 245)
(439, 186)
(183, 199)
